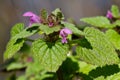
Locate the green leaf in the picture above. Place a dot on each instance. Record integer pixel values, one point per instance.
(99, 21)
(23, 77)
(73, 28)
(44, 14)
(12, 47)
(114, 37)
(75, 66)
(102, 52)
(73, 63)
(32, 69)
(26, 32)
(17, 40)
(100, 78)
(17, 29)
(57, 12)
(13, 66)
(116, 23)
(50, 55)
(85, 67)
(115, 11)
(38, 72)
(115, 76)
(48, 30)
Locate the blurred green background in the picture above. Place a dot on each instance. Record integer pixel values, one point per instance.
(11, 13)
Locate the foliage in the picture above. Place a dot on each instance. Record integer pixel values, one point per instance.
(98, 21)
(114, 38)
(88, 54)
(97, 39)
(115, 11)
(49, 55)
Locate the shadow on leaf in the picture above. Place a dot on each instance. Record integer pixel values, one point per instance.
(84, 43)
(104, 71)
(69, 66)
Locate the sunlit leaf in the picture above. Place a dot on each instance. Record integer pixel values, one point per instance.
(114, 38)
(18, 38)
(48, 30)
(23, 77)
(26, 32)
(13, 66)
(17, 29)
(102, 52)
(98, 21)
(115, 11)
(12, 47)
(115, 76)
(72, 27)
(100, 78)
(50, 55)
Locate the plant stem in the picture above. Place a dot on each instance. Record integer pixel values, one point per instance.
(29, 40)
(59, 74)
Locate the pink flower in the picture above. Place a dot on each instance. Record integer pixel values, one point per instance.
(51, 24)
(109, 15)
(33, 18)
(64, 33)
(29, 59)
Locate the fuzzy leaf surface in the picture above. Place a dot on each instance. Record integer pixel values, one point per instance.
(48, 30)
(26, 32)
(17, 39)
(17, 29)
(49, 55)
(12, 47)
(114, 37)
(102, 52)
(19, 32)
(99, 21)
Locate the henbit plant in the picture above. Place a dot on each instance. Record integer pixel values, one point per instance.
(64, 52)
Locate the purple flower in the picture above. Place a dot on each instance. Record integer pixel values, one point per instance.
(64, 33)
(33, 18)
(51, 24)
(29, 59)
(109, 15)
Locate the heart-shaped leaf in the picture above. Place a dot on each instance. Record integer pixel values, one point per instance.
(49, 55)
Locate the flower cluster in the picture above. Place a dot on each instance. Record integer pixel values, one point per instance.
(33, 18)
